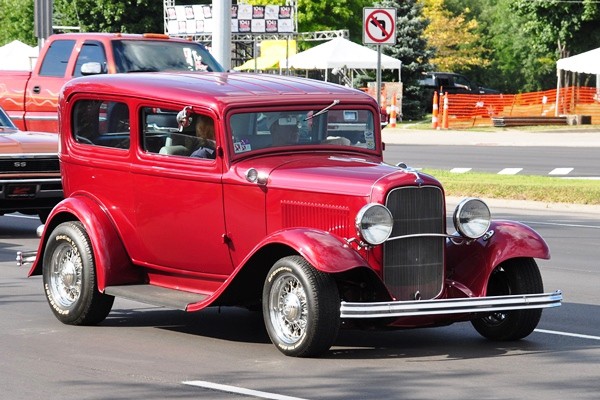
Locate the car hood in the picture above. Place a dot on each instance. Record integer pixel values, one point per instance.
(341, 174)
(15, 142)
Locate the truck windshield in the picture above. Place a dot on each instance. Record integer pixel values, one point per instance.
(162, 55)
(346, 127)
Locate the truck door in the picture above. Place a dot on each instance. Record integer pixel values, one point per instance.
(43, 88)
(56, 69)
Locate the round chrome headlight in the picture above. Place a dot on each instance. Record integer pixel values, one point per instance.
(472, 218)
(374, 223)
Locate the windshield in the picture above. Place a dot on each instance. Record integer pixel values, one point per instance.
(5, 122)
(334, 127)
(162, 55)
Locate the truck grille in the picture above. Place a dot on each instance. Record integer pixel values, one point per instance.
(413, 268)
(28, 164)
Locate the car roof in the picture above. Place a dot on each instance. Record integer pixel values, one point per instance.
(108, 35)
(217, 88)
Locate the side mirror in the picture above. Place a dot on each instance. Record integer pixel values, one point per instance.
(184, 118)
(91, 68)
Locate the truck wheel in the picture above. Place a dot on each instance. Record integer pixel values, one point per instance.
(69, 276)
(516, 276)
(301, 308)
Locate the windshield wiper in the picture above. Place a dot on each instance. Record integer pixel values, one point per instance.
(324, 110)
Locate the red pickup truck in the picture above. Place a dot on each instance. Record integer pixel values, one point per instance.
(31, 98)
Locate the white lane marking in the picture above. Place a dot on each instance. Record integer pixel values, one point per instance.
(560, 171)
(561, 224)
(238, 390)
(460, 170)
(510, 171)
(577, 335)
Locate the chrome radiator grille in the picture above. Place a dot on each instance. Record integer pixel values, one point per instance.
(413, 268)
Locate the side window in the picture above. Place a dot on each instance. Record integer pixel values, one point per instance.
(462, 82)
(90, 52)
(161, 134)
(101, 123)
(57, 57)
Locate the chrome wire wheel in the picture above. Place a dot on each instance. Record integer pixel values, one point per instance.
(301, 307)
(69, 274)
(288, 308)
(66, 275)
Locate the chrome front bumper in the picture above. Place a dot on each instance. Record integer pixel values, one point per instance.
(450, 306)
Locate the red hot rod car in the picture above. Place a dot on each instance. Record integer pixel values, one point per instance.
(198, 190)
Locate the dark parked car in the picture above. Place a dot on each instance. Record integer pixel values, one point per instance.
(288, 204)
(449, 82)
(29, 170)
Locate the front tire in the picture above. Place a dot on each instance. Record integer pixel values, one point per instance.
(516, 276)
(301, 308)
(69, 275)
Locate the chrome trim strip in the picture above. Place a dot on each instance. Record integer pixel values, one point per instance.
(41, 117)
(414, 235)
(44, 180)
(52, 156)
(450, 306)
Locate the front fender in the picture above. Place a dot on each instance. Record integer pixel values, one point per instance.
(471, 264)
(113, 265)
(324, 251)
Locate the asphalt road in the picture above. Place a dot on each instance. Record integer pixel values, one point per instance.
(152, 353)
(528, 160)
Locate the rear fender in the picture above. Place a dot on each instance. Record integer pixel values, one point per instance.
(472, 264)
(113, 265)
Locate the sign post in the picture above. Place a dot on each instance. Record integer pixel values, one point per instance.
(379, 27)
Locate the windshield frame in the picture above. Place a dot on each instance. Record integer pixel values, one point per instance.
(234, 137)
(193, 55)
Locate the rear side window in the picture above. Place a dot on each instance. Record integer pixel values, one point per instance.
(90, 52)
(57, 57)
(101, 123)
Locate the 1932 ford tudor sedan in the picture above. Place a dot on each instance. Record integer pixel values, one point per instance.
(189, 191)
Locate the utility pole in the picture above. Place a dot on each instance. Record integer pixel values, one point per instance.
(42, 18)
(221, 37)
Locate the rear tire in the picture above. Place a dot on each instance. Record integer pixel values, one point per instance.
(301, 308)
(515, 276)
(69, 275)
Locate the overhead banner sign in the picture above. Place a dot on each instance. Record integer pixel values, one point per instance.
(245, 18)
(379, 25)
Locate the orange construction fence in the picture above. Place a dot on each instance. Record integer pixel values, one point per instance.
(470, 110)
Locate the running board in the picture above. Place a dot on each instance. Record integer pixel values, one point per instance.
(156, 295)
(450, 306)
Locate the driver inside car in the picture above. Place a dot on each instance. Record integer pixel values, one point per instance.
(284, 131)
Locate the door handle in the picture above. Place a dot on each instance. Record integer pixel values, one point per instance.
(37, 89)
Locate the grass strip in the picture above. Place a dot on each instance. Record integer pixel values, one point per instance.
(519, 187)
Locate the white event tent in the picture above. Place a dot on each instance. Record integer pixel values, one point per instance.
(17, 55)
(339, 53)
(584, 63)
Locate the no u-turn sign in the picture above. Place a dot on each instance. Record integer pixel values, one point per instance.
(379, 25)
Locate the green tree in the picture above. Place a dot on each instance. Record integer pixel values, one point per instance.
(554, 29)
(16, 20)
(454, 38)
(411, 49)
(133, 16)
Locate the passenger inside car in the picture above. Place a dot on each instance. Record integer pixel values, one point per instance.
(205, 132)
